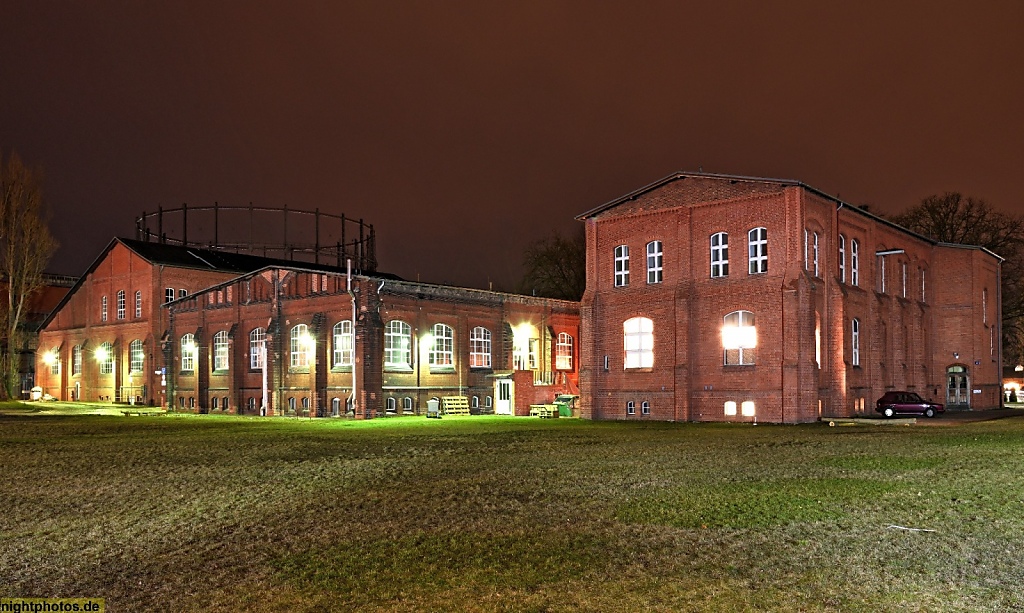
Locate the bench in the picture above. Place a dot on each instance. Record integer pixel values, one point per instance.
(544, 411)
(455, 405)
(129, 412)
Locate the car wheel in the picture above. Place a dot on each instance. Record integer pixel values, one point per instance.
(888, 412)
(929, 412)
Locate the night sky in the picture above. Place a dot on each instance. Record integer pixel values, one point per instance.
(463, 130)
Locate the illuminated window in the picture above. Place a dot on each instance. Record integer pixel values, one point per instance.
(984, 306)
(188, 352)
(105, 356)
(442, 351)
(854, 262)
(638, 342)
(814, 252)
(654, 258)
(168, 294)
(739, 338)
(220, 350)
(299, 346)
(534, 353)
(621, 266)
(54, 359)
(903, 268)
(120, 304)
(747, 408)
(842, 258)
(76, 360)
(881, 274)
(103, 308)
(480, 348)
(645, 408)
(138, 304)
(720, 255)
(757, 251)
(136, 356)
(730, 407)
(397, 345)
(817, 339)
(343, 348)
(257, 343)
(563, 352)
(855, 342)
(630, 407)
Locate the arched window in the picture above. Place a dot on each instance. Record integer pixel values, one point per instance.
(257, 344)
(757, 251)
(855, 342)
(739, 338)
(645, 408)
(488, 401)
(291, 403)
(407, 404)
(76, 360)
(300, 346)
(252, 403)
(224, 403)
(630, 407)
(480, 348)
(335, 406)
(220, 350)
(392, 406)
(105, 356)
(654, 261)
(120, 304)
(343, 343)
(563, 352)
(138, 304)
(621, 266)
(188, 352)
(442, 351)
(638, 342)
(397, 345)
(136, 356)
(720, 255)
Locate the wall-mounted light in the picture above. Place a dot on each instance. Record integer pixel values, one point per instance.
(102, 354)
(49, 358)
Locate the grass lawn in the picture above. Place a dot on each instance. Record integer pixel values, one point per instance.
(204, 513)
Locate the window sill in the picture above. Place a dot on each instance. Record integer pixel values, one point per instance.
(440, 370)
(405, 369)
(341, 368)
(481, 369)
(641, 369)
(299, 370)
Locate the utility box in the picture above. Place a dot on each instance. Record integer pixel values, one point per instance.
(434, 408)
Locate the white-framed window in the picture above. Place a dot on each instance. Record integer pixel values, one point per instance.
(817, 339)
(136, 356)
(903, 276)
(730, 407)
(299, 346)
(855, 342)
(397, 344)
(881, 274)
(654, 262)
(488, 401)
(645, 408)
(120, 304)
(563, 351)
(54, 358)
(814, 253)
(189, 351)
(138, 304)
(103, 308)
(442, 352)
(842, 258)
(739, 338)
(630, 407)
(168, 294)
(392, 405)
(105, 355)
(757, 251)
(474, 402)
(220, 350)
(257, 342)
(407, 404)
(855, 262)
(480, 348)
(747, 408)
(719, 255)
(182, 293)
(638, 343)
(621, 266)
(807, 259)
(76, 360)
(533, 353)
(343, 347)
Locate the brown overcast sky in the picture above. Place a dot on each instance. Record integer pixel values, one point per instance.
(462, 130)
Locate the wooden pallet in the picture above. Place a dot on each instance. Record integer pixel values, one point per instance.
(455, 405)
(544, 411)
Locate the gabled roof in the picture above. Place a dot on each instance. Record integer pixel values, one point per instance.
(162, 254)
(732, 186)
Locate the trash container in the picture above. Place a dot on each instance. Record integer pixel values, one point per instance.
(434, 408)
(37, 393)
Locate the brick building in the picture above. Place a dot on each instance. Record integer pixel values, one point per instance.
(203, 330)
(723, 298)
(36, 309)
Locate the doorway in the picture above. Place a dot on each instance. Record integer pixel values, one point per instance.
(504, 403)
(958, 388)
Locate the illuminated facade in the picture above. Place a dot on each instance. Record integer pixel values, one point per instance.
(721, 298)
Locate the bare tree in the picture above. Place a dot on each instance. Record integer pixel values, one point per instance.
(25, 249)
(556, 267)
(953, 218)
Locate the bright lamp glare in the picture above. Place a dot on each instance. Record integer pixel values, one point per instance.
(49, 358)
(739, 337)
(101, 354)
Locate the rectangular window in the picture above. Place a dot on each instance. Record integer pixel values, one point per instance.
(168, 294)
(654, 257)
(343, 343)
(220, 350)
(630, 408)
(138, 304)
(638, 343)
(645, 408)
(984, 306)
(730, 407)
(922, 286)
(881, 274)
(120, 304)
(534, 355)
(563, 352)
(480, 348)
(814, 246)
(854, 262)
(747, 408)
(757, 251)
(903, 272)
(855, 342)
(719, 255)
(182, 293)
(621, 266)
(257, 344)
(76, 360)
(103, 308)
(842, 258)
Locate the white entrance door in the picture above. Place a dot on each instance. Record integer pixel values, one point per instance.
(504, 404)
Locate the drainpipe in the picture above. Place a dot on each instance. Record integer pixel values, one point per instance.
(352, 296)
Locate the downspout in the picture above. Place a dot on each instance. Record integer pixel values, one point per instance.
(352, 296)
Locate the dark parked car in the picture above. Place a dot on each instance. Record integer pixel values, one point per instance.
(906, 403)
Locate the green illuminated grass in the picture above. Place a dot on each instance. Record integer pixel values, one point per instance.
(219, 513)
